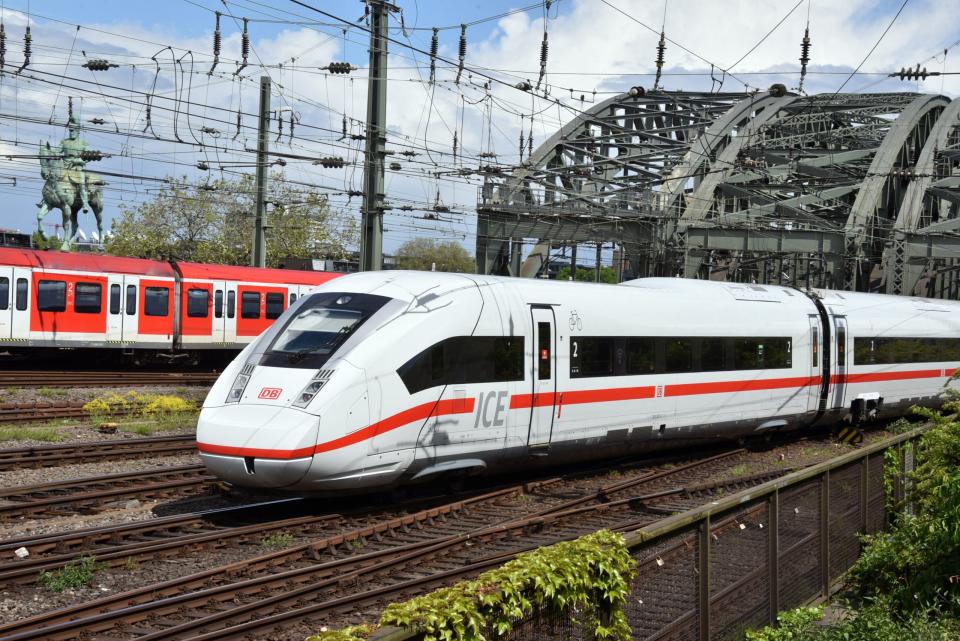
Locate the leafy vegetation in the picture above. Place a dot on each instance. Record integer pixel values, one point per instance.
(19, 433)
(791, 625)
(75, 574)
(572, 577)
(587, 275)
(52, 392)
(277, 540)
(426, 254)
(212, 222)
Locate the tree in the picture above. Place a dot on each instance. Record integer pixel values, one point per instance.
(425, 253)
(607, 275)
(213, 223)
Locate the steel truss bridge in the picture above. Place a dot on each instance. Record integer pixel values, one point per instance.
(846, 191)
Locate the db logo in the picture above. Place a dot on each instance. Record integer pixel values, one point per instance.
(270, 393)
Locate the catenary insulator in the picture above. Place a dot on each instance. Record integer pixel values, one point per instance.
(330, 162)
(454, 147)
(434, 46)
(98, 64)
(238, 125)
(804, 55)
(463, 51)
(3, 46)
(337, 68)
(97, 121)
(27, 49)
(216, 44)
(637, 92)
(521, 143)
(530, 142)
(90, 155)
(290, 135)
(544, 48)
(244, 46)
(661, 48)
(344, 132)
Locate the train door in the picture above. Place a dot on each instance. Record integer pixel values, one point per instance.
(840, 369)
(20, 304)
(131, 322)
(219, 326)
(6, 302)
(115, 308)
(816, 367)
(543, 369)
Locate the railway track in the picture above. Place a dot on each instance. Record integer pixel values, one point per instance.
(132, 448)
(30, 378)
(350, 571)
(89, 495)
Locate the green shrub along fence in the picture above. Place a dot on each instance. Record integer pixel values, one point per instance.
(710, 573)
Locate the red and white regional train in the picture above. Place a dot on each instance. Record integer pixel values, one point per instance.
(57, 300)
(383, 378)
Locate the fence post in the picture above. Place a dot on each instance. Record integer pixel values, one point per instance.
(864, 492)
(773, 557)
(703, 594)
(825, 533)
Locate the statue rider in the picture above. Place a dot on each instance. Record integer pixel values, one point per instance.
(72, 148)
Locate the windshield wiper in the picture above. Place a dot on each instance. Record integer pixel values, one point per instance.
(331, 345)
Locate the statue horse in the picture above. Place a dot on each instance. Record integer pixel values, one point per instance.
(60, 193)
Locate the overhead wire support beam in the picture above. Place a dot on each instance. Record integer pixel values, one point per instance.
(371, 229)
(258, 252)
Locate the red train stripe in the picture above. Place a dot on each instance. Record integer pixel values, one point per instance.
(547, 399)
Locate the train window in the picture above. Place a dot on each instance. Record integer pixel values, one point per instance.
(156, 301)
(198, 303)
(641, 356)
(678, 355)
(231, 304)
(711, 355)
(464, 360)
(841, 347)
(777, 353)
(131, 300)
(592, 356)
(114, 299)
(87, 299)
(747, 354)
(815, 346)
(51, 296)
(293, 298)
(22, 289)
(4, 293)
(543, 352)
(250, 305)
(274, 305)
(218, 303)
(891, 351)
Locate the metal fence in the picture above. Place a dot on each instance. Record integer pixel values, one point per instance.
(713, 572)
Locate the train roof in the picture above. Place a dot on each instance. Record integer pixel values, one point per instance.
(97, 263)
(253, 274)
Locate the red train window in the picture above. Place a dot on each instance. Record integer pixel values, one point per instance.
(250, 305)
(4, 293)
(156, 301)
(51, 296)
(274, 305)
(131, 300)
(88, 298)
(198, 301)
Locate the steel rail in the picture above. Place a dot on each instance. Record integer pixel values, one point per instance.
(52, 455)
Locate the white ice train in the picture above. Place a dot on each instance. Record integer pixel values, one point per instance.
(386, 378)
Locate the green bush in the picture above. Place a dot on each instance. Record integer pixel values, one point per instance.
(75, 574)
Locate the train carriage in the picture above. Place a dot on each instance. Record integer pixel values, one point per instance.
(385, 378)
(60, 300)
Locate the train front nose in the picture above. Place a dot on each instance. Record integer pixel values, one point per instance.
(254, 445)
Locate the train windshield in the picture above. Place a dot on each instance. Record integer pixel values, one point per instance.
(320, 325)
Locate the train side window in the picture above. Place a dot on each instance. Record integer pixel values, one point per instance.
(274, 305)
(114, 299)
(543, 351)
(464, 360)
(678, 355)
(198, 303)
(51, 296)
(641, 356)
(88, 298)
(592, 356)
(22, 289)
(815, 346)
(218, 303)
(293, 298)
(4, 293)
(131, 300)
(711, 355)
(231, 304)
(250, 305)
(156, 301)
(777, 352)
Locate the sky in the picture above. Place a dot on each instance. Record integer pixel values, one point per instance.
(163, 50)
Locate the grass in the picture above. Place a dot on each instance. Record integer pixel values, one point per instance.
(162, 423)
(132, 564)
(738, 470)
(20, 433)
(75, 574)
(277, 540)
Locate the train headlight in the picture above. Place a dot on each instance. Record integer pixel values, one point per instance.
(240, 383)
(315, 385)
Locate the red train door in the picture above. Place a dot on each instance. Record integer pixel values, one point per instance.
(115, 295)
(6, 302)
(219, 329)
(20, 302)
